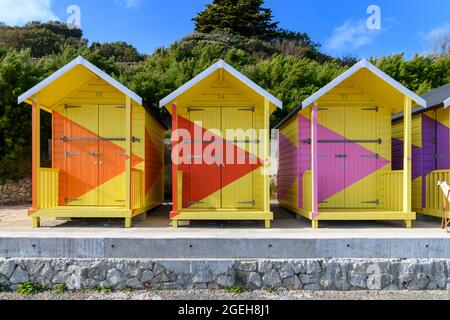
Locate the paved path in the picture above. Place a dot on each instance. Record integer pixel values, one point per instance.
(15, 222)
(221, 295)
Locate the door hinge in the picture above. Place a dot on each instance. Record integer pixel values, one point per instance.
(247, 109)
(195, 109)
(376, 109)
(68, 154)
(248, 202)
(71, 199)
(191, 202)
(377, 202)
(372, 156)
(136, 139)
(95, 154)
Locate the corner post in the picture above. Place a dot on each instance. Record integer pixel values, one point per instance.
(314, 162)
(36, 157)
(407, 157)
(129, 152)
(175, 194)
(266, 156)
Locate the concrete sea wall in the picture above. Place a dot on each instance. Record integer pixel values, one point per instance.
(307, 274)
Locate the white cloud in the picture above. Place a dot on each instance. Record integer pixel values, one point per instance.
(128, 3)
(438, 32)
(18, 12)
(351, 35)
(437, 40)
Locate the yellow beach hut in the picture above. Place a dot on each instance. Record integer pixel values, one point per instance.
(430, 151)
(107, 149)
(335, 150)
(220, 158)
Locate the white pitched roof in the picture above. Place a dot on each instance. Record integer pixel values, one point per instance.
(220, 65)
(447, 103)
(360, 65)
(80, 61)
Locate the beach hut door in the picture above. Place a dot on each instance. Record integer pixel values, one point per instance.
(95, 155)
(81, 142)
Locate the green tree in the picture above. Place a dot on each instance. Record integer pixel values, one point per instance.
(120, 51)
(245, 17)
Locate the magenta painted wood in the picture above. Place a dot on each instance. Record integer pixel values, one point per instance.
(315, 177)
(304, 153)
(288, 166)
(337, 173)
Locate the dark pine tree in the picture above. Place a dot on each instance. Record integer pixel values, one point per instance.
(245, 17)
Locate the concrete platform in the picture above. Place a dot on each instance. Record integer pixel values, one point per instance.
(289, 238)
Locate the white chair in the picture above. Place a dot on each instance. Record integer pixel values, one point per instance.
(445, 204)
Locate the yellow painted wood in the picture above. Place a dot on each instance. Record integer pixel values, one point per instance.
(210, 119)
(267, 224)
(128, 148)
(307, 191)
(128, 223)
(333, 119)
(368, 215)
(266, 155)
(112, 124)
(137, 188)
(180, 190)
(434, 203)
(393, 199)
(36, 222)
(315, 224)
(408, 224)
(241, 192)
(87, 117)
(407, 162)
(36, 161)
(242, 214)
(48, 188)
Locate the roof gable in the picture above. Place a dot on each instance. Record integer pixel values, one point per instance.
(220, 65)
(364, 64)
(79, 61)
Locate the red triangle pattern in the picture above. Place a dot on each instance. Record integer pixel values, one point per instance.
(210, 178)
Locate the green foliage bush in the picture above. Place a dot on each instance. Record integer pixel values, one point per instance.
(29, 288)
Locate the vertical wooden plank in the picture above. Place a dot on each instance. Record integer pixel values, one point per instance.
(314, 162)
(175, 191)
(266, 155)
(128, 149)
(36, 158)
(407, 157)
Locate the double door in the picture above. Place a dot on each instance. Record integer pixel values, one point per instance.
(95, 155)
(223, 178)
(347, 155)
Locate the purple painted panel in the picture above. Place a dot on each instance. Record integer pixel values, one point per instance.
(288, 165)
(397, 154)
(428, 152)
(397, 148)
(304, 157)
(442, 146)
(337, 173)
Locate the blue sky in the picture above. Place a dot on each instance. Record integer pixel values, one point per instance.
(340, 26)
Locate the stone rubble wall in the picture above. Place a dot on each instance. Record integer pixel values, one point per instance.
(305, 274)
(15, 192)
